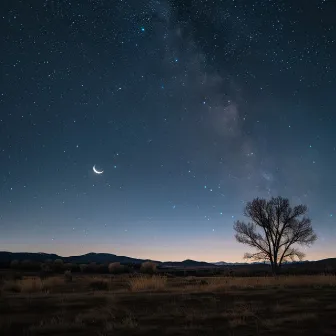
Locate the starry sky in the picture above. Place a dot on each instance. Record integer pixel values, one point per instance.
(191, 108)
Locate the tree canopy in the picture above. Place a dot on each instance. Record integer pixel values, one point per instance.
(275, 230)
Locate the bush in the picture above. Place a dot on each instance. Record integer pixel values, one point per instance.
(11, 286)
(58, 265)
(143, 283)
(92, 267)
(52, 282)
(102, 269)
(46, 271)
(15, 276)
(83, 267)
(29, 265)
(25, 264)
(58, 262)
(100, 284)
(31, 285)
(68, 267)
(68, 276)
(116, 268)
(148, 267)
(27, 285)
(14, 264)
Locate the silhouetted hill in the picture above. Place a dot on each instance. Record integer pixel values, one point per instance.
(318, 264)
(40, 257)
(99, 258)
(223, 263)
(187, 263)
(327, 261)
(105, 258)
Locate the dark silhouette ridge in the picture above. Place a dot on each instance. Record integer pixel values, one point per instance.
(104, 258)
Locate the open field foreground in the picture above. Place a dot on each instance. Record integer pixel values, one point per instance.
(155, 305)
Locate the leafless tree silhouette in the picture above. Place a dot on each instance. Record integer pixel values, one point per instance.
(274, 230)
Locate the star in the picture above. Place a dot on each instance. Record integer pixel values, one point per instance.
(196, 105)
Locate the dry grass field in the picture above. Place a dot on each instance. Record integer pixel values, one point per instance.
(157, 305)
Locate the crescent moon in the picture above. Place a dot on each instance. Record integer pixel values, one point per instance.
(97, 171)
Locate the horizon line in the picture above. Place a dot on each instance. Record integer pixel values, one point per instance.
(209, 262)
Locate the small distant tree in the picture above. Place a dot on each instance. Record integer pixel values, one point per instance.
(102, 269)
(274, 230)
(26, 265)
(115, 268)
(83, 267)
(92, 267)
(148, 267)
(45, 271)
(45, 267)
(68, 266)
(68, 276)
(58, 265)
(14, 264)
(58, 262)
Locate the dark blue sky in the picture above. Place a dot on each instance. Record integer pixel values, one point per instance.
(191, 108)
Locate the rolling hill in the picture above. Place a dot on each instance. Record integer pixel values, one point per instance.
(105, 258)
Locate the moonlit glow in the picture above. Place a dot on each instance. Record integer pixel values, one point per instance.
(97, 171)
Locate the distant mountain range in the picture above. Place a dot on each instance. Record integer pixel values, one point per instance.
(99, 258)
(223, 263)
(104, 258)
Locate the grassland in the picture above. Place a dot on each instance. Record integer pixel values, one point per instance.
(159, 305)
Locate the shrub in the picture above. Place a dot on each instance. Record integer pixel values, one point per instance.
(102, 269)
(83, 267)
(14, 264)
(92, 267)
(11, 286)
(31, 285)
(68, 267)
(68, 276)
(115, 268)
(52, 282)
(143, 283)
(148, 267)
(15, 276)
(58, 262)
(46, 271)
(29, 265)
(27, 285)
(58, 265)
(100, 284)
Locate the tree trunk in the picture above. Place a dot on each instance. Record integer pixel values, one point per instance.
(275, 269)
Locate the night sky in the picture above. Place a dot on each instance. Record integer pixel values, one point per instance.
(190, 107)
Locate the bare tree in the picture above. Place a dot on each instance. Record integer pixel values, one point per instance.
(274, 230)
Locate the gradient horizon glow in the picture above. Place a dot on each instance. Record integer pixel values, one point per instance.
(191, 109)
